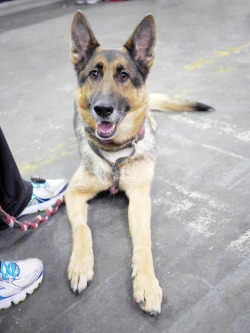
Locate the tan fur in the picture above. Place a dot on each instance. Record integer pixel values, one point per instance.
(94, 174)
(161, 102)
(135, 181)
(82, 188)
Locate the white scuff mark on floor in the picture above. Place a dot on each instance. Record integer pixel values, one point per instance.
(157, 201)
(242, 244)
(243, 181)
(200, 197)
(180, 139)
(202, 225)
(206, 123)
(171, 207)
(56, 127)
(220, 127)
(226, 152)
(167, 197)
(190, 194)
(205, 217)
(180, 206)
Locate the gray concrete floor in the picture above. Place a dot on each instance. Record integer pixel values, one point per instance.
(200, 192)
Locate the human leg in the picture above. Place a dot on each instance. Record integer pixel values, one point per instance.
(19, 197)
(15, 193)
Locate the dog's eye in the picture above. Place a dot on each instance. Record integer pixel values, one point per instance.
(94, 74)
(123, 76)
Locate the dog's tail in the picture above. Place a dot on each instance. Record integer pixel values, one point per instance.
(161, 102)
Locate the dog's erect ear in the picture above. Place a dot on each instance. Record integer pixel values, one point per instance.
(83, 41)
(141, 43)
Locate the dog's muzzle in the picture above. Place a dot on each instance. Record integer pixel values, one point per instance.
(106, 128)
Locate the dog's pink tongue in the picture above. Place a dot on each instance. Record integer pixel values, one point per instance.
(105, 127)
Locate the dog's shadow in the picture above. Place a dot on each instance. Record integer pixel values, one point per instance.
(119, 198)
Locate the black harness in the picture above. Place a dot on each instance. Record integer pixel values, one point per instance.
(115, 167)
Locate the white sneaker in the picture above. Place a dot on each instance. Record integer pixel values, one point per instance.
(45, 194)
(92, 2)
(17, 279)
(88, 2)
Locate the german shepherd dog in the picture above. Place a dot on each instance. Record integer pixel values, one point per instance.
(117, 142)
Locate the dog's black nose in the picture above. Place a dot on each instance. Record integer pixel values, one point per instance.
(103, 110)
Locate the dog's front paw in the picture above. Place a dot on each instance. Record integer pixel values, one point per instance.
(80, 272)
(148, 293)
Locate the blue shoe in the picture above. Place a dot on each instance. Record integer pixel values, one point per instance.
(45, 194)
(17, 279)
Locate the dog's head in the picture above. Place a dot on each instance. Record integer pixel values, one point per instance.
(111, 95)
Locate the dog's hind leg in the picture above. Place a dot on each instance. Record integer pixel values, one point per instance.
(82, 188)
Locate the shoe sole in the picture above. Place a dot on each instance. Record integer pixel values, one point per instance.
(42, 206)
(22, 295)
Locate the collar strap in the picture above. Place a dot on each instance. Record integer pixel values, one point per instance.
(141, 132)
(115, 166)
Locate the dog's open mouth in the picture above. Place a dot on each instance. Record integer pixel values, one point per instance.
(106, 130)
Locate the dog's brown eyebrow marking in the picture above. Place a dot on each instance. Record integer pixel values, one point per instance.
(99, 65)
(120, 68)
(123, 62)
